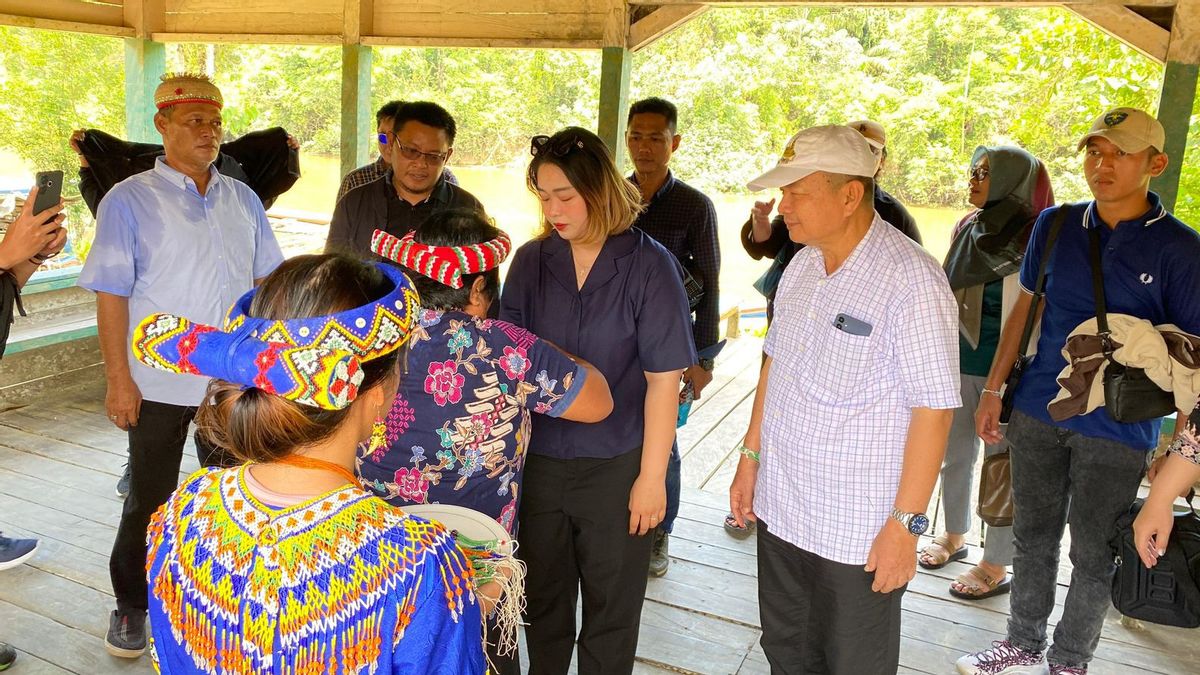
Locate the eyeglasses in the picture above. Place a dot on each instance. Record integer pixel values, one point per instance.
(979, 174)
(383, 138)
(541, 144)
(411, 153)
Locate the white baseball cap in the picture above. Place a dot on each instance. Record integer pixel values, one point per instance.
(832, 148)
(1130, 129)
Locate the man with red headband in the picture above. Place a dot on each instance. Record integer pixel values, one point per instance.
(180, 238)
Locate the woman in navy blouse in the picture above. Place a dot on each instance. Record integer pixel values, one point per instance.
(599, 288)
(458, 430)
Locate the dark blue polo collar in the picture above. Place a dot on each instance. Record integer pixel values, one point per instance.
(1155, 213)
(666, 187)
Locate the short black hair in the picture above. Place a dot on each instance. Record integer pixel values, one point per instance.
(388, 111)
(658, 106)
(427, 113)
(455, 227)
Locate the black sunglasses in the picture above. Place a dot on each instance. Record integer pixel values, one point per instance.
(541, 144)
(979, 174)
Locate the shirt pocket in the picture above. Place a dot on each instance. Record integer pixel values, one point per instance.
(845, 367)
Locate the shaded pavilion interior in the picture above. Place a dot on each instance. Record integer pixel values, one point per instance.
(57, 462)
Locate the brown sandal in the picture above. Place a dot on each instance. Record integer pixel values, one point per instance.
(977, 585)
(939, 553)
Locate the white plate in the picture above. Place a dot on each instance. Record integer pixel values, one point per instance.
(469, 522)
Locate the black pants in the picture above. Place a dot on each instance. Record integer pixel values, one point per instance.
(155, 452)
(575, 534)
(821, 616)
(508, 664)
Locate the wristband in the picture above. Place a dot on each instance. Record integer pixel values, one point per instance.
(752, 454)
(993, 392)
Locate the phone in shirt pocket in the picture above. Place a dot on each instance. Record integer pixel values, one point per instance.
(848, 324)
(846, 361)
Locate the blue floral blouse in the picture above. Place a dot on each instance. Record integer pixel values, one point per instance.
(458, 430)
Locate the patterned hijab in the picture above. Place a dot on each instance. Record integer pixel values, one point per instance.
(990, 244)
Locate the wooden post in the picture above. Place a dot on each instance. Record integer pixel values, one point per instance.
(357, 123)
(1178, 95)
(614, 99)
(145, 62)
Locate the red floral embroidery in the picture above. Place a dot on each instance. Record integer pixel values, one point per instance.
(514, 362)
(411, 484)
(444, 382)
(187, 346)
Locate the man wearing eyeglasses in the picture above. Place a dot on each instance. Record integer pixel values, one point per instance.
(384, 125)
(410, 190)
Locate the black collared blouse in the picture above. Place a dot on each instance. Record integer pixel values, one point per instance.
(631, 317)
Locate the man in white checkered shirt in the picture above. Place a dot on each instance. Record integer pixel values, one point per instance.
(850, 419)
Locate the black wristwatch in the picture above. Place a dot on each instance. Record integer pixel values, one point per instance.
(707, 364)
(915, 523)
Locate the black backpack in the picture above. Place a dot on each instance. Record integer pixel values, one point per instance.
(1168, 593)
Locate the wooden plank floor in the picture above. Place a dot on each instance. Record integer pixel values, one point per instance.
(59, 462)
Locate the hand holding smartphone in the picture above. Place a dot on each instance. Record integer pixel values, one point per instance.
(49, 193)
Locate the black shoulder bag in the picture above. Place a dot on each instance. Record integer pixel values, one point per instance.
(1129, 395)
(10, 296)
(1022, 362)
(1168, 593)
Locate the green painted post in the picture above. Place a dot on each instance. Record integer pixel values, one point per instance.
(357, 125)
(145, 62)
(1175, 112)
(615, 64)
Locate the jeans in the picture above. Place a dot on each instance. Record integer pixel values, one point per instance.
(673, 486)
(1062, 479)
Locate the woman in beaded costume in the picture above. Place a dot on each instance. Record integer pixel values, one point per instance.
(284, 564)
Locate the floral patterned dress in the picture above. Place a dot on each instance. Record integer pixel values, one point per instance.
(458, 430)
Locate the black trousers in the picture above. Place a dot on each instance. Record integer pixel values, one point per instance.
(575, 535)
(821, 616)
(155, 452)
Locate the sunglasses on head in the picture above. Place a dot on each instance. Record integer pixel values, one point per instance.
(539, 145)
(979, 174)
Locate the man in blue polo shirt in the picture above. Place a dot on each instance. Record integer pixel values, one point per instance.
(1086, 469)
(682, 219)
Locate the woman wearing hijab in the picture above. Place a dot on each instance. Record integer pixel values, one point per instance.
(1008, 188)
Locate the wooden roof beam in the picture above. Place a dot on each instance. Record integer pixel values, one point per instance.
(67, 15)
(660, 22)
(901, 3)
(1128, 26)
(145, 17)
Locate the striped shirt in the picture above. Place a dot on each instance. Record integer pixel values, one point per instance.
(839, 401)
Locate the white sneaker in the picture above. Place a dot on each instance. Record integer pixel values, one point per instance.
(1004, 658)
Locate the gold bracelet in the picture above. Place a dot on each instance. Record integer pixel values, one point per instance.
(752, 454)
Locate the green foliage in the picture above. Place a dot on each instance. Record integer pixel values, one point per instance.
(52, 83)
(941, 80)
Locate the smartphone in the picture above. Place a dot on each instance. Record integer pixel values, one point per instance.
(685, 404)
(49, 185)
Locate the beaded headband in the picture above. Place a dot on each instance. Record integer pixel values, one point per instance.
(313, 361)
(177, 88)
(444, 264)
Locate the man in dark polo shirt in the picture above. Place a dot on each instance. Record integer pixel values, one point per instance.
(1084, 470)
(410, 190)
(683, 220)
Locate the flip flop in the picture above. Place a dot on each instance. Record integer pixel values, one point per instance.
(731, 527)
(971, 580)
(942, 543)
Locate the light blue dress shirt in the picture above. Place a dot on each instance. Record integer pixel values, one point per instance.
(168, 248)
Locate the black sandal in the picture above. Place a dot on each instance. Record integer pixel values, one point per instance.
(737, 532)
